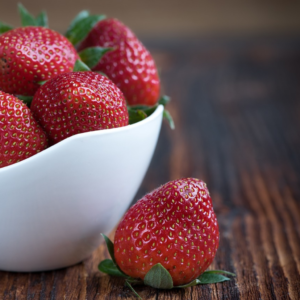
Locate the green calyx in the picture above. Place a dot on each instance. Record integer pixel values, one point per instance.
(91, 56)
(26, 99)
(138, 113)
(28, 19)
(80, 66)
(158, 276)
(4, 27)
(81, 26)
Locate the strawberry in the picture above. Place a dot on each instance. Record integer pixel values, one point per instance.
(167, 239)
(129, 65)
(20, 135)
(78, 102)
(175, 225)
(32, 54)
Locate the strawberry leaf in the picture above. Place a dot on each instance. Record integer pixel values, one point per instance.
(4, 27)
(108, 266)
(82, 27)
(91, 56)
(208, 277)
(42, 82)
(219, 272)
(80, 66)
(26, 18)
(136, 116)
(139, 112)
(101, 73)
(192, 283)
(110, 247)
(142, 107)
(26, 99)
(132, 289)
(82, 15)
(158, 277)
(169, 118)
(164, 100)
(42, 19)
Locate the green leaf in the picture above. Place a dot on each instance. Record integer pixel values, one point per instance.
(132, 289)
(134, 280)
(158, 277)
(107, 266)
(142, 107)
(42, 19)
(169, 118)
(4, 27)
(82, 15)
(210, 276)
(207, 277)
(91, 56)
(80, 66)
(26, 18)
(101, 73)
(110, 247)
(82, 27)
(26, 99)
(138, 113)
(164, 100)
(149, 110)
(220, 272)
(42, 82)
(192, 283)
(136, 116)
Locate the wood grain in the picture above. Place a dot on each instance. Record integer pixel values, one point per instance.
(236, 106)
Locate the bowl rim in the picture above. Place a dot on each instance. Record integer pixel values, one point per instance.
(158, 111)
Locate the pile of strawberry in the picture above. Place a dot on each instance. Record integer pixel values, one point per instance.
(97, 76)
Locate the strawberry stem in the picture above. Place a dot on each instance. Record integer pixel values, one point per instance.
(132, 289)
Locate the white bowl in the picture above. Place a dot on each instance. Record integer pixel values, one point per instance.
(54, 205)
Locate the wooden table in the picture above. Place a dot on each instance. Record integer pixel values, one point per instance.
(236, 105)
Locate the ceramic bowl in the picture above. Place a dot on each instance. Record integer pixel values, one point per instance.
(54, 205)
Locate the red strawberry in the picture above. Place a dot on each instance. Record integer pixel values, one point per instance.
(20, 135)
(130, 66)
(78, 102)
(32, 54)
(175, 225)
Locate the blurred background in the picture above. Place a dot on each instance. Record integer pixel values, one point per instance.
(173, 18)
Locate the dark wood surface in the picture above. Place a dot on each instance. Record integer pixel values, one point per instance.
(236, 105)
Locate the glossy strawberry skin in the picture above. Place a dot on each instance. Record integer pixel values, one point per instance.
(130, 66)
(174, 225)
(78, 102)
(20, 135)
(32, 54)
